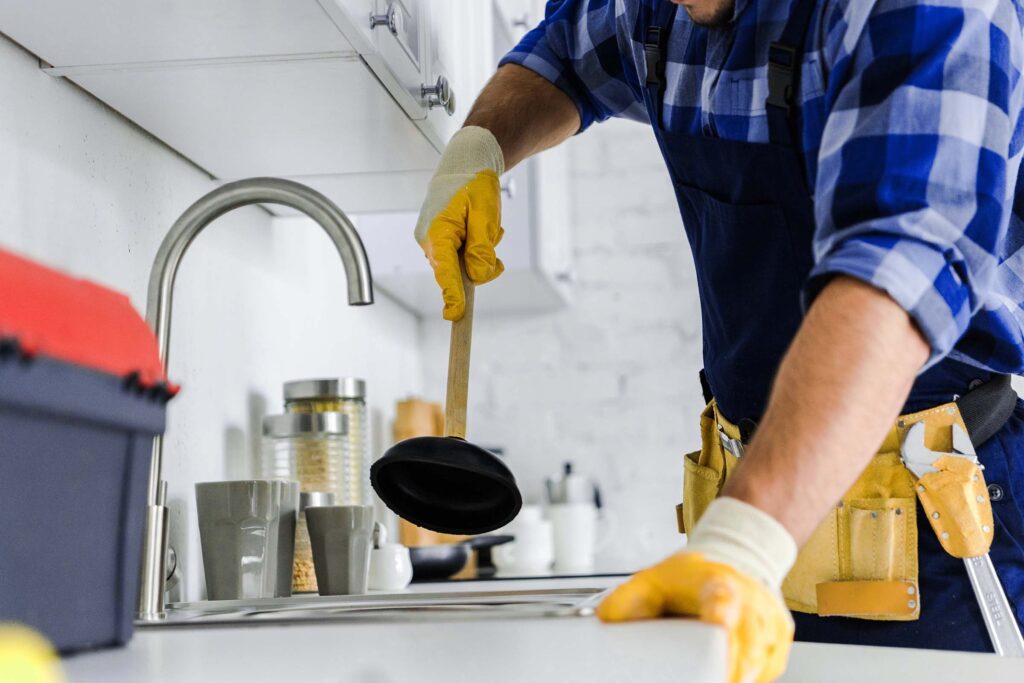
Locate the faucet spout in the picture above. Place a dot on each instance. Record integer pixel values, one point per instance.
(158, 314)
(236, 195)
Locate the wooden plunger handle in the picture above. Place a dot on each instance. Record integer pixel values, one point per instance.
(458, 366)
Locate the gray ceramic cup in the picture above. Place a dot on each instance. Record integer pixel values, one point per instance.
(340, 539)
(285, 551)
(239, 530)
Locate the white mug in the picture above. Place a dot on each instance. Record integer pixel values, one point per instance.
(532, 551)
(390, 567)
(575, 527)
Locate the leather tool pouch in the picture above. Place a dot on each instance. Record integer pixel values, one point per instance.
(704, 472)
(861, 561)
(955, 496)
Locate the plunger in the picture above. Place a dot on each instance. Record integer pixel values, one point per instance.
(444, 483)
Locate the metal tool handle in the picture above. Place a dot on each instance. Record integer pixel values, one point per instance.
(458, 363)
(995, 608)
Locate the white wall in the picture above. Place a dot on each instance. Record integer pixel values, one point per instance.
(610, 382)
(85, 191)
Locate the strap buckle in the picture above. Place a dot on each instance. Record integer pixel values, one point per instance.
(782, 66)
(653, 56)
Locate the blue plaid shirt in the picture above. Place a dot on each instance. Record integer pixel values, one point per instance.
(912, 136)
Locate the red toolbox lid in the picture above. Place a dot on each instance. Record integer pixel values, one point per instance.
(52, 314)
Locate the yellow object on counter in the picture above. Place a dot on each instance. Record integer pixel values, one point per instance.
(27, 657)
(759, 627)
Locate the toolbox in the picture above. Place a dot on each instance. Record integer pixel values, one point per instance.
(82, 395)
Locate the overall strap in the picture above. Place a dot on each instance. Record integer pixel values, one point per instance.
(655, 56)
(785, 58)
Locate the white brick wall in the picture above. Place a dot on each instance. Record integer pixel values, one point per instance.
(611, 381)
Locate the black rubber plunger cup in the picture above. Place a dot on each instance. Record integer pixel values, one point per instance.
(444, 483)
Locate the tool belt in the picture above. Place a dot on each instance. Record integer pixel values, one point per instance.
(862, 559)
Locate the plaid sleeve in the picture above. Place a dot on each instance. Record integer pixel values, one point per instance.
(579, 48)
(913, 189)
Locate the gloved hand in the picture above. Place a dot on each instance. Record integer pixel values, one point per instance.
(729, 575)
(27, 657)
(463, 207)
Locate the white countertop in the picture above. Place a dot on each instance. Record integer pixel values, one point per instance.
(499, 651)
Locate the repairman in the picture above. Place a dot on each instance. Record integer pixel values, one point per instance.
(847, 175)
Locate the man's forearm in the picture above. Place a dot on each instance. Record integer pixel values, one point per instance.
(840, 387)
(524, 112)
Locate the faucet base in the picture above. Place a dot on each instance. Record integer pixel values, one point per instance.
(154, 569)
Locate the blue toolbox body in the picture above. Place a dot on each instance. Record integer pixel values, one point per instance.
(82, 396)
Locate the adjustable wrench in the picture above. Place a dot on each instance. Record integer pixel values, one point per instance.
(995, 608)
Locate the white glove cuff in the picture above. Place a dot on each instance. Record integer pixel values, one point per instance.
(740, 535)
(471, 150)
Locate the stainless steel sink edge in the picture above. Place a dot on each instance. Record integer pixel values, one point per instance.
(384, 606)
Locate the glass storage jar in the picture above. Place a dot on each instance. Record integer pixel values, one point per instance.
(346, 395)
(311, 448)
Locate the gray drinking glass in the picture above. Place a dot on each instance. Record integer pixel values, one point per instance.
(239, 526)
(285, 550)
(340, 538)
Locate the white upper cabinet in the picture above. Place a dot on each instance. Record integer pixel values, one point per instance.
(517, 17)
(289, 117)
(355, 98)
(537, 247)
(461, 51)
(390, 36)
(324, 91)
(78, 33)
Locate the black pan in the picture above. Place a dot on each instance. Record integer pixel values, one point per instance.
(444, 560)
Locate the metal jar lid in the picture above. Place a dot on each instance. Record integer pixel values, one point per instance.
(305, 424)
(316, 499)
(307, 389)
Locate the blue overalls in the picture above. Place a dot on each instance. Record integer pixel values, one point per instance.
(748, 214)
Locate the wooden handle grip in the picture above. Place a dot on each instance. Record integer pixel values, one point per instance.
(458, 366)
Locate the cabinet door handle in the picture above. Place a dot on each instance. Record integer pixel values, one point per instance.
(508, 188)
(390, 20)
(439, 95)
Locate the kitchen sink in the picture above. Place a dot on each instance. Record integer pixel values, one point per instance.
(405, 606)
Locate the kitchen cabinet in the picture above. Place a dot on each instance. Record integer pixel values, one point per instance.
(390, 37)
(296, 117)
(347, 96)
(462, 46)
(536, 253)
(537, 247)
(335, 93)
(517, 17)
(71, 33)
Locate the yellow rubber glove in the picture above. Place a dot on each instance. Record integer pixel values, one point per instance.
(729, 576)
(463, 207)
(27, 657)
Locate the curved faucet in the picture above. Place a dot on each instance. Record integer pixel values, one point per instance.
(158, 314)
